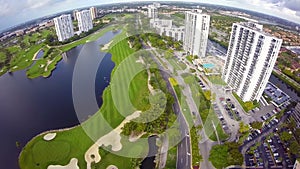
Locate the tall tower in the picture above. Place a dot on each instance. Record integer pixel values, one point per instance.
(85, 22)
(75, 15)
(93, 11)
(152, 12)
(196, 32)
(251, 57)
(64, 27)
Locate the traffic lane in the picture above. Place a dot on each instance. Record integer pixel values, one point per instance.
(183, 154)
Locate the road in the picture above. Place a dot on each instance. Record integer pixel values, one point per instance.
(184, 148)
(205, 144)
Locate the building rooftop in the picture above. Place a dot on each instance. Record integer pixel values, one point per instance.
(278, 96)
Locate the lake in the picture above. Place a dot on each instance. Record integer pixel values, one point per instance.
(29, 107)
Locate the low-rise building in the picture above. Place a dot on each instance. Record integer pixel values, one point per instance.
(165, 27)
(279, 98)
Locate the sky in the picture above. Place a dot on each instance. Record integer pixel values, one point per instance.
(14, 12)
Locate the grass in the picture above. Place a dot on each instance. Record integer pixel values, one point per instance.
(23, 59)
(174, 63)
(247, 106)
(44, 66)
(216, 80)
(73, 143)
(196, 157)
(171, 158)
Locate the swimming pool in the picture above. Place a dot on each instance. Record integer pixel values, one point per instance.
(208, 65)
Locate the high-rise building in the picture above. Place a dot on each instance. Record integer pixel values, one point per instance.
(64, 27)
(75, 15)
(251, 57)
(85, 22)
(93, 11)
(152, 12)
(196, 32)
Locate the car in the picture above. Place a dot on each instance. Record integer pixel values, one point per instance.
(276, 154)
(263, 117)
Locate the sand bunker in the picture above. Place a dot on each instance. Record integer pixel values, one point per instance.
(134, 138)
(106, 46)
(112, 167)
(71, 165)
(49, 136)
(113, 138)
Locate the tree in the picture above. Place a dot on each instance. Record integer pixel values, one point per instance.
(218, 156)
(285, 136)
(234, 155)
(244, 127)
(295, 148)
(256, 125)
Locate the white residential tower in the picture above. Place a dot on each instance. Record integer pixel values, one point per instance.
(251, 57)
(93, 11)
(196, 32)
(64, 27)
(152, 11)
(85, 22)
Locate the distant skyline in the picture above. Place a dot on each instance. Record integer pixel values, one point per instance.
(15, 12)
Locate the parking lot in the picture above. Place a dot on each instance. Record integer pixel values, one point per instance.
(225, 126)
(268, 154)
(230, 109)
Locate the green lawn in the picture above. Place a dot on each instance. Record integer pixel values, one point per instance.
(175, 64)
(74, 143)
(171, 158)
(195, 138)
(247, 106)
(215, 79)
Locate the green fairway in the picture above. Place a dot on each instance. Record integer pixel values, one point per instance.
(45, 65)
(73, 143)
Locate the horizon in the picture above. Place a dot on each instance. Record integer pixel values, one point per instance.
(16, 21)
